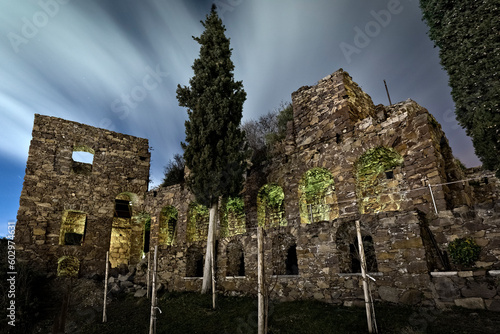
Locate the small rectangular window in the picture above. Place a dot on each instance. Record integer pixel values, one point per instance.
(72, 228)
(83, 158)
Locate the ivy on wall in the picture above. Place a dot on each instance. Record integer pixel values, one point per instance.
(68, 266)
(317, 196)
(368, 170)
(197, 227)
(233, 217)
(168, 225)
(270, 206)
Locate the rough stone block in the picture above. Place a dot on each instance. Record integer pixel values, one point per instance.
(475, 289)
(389, 294)
(471, 303)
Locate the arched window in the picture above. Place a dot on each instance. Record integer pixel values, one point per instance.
(378, 174)
(348, 250)
(68, 266)
(145, 221)
(232, 217)
(194, 262)
(168, 225)
(235, 259)
(318, 201)
(270, 206)
(197, 225)
(121, 231)
(285, 260)
(72, 230)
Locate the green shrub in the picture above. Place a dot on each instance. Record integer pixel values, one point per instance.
(464, 251)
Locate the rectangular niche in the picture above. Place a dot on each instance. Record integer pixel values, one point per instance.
(72, 228)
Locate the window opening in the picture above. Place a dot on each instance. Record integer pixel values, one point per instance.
(291, 262)
(123, 208)
(72, 228)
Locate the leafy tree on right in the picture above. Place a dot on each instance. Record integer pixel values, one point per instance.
(468, 35)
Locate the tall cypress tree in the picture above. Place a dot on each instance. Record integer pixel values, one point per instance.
(214, 148)
(468, 35)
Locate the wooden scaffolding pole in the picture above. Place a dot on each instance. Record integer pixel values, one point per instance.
(260, 279)
(148, 283)
(104, 315)
(152, 322)
(368, 302)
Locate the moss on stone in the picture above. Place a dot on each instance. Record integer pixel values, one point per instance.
(270, 206)
(317, 196)
(68, 266)
(232, 217)
(368, 169)
(198, 219)
(168, 225)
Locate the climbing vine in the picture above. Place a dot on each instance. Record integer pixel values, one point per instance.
(197, 227)
(168, 224)
(368, 168)
(270, 206)
(316, 193)
(233, 217)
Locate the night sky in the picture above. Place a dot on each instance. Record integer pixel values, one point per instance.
(115, 64)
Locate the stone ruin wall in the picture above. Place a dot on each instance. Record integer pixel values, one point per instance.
(55, 185)
(334, 124)
(332, 130)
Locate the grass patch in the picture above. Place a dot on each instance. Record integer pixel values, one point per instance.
(192, 313)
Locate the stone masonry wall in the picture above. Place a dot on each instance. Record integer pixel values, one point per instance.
(335, 125)
(52, 187)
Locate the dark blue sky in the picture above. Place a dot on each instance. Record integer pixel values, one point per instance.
(116, 64)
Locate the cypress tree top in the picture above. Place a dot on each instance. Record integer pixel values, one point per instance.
(214, 148)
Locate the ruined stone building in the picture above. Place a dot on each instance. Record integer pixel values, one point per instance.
(343, 159)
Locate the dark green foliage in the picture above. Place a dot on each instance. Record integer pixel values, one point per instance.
(468, 35)
(174, 171)
(269, 129)
(284, 114)
(214, 150)
(464, 251)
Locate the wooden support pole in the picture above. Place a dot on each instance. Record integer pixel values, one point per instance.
(363, 274)
(152, 323)
(104, 315)
(260, 281)
(212, 269)
(433, 201)
(148, 283)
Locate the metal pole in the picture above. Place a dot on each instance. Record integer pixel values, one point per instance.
(152, 323)
(363, 274)
(385, 84)
(433, 201)
(104, 316)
